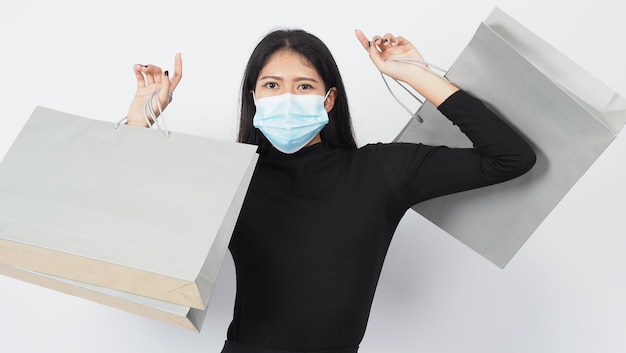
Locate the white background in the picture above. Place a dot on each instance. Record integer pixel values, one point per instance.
(563, 292)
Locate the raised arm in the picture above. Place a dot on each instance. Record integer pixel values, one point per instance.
(499, 152)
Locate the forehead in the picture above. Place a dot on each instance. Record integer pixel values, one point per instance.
(288, 63)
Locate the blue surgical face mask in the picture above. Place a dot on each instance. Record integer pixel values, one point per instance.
(290, 121)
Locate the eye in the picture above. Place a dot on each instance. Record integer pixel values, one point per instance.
(271, 85)
(305, 86)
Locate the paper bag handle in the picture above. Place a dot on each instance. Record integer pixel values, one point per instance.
(421, 63)
(148, 113)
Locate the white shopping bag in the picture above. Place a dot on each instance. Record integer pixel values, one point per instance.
(127, 209)
(567, 115)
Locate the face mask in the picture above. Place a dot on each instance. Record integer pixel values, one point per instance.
(290, 121)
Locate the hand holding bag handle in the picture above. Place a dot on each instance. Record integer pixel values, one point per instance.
(389, 54)
(155, 90)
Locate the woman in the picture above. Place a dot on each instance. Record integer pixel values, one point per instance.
(320, 213)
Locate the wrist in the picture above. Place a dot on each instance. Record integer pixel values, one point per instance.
(431, 86)
(140, 122)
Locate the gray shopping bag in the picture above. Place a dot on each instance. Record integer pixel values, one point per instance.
(173, 314)
(127, 209)
(567, 115)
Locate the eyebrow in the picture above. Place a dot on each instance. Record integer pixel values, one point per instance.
(280, 78)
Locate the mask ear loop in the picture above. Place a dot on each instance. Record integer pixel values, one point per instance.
(150, 115)
(423, 64)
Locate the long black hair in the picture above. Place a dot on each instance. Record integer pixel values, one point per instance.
(338, 132)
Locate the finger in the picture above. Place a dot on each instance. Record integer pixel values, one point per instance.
(178, 72)
(375, 52)
(378, 40)
(399, 40)
(158, 78)
(365, 43)
(387, 40)
(151, 70)
(141, 80)
(153, 73)
(164, 98)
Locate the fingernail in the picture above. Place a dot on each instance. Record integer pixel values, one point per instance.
(145, 65)
(166, 73)
(386, 40)
(369, 44)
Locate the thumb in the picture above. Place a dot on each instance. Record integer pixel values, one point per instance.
(370, 47)
(362, 39)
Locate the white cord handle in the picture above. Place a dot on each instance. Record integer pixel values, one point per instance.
(423, 64)
(149, 114)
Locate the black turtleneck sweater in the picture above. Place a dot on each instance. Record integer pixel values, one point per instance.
(315, 226)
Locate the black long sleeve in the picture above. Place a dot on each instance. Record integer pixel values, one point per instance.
(499, 154)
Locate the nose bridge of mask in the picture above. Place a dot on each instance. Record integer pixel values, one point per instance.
(289, 95)
(291, 105)
(298, 106)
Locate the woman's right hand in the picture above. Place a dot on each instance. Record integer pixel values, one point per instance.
(383, 50)
(151, 78)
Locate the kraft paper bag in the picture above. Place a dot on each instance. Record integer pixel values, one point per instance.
(173, 314)
(125, 208)
(567, 115)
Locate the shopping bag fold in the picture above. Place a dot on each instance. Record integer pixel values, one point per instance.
(172, 314)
